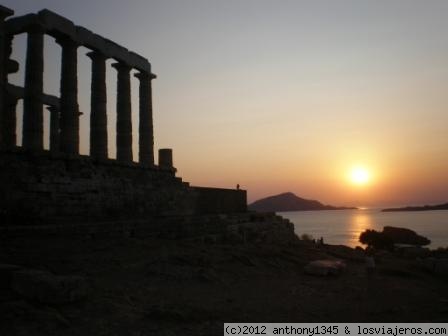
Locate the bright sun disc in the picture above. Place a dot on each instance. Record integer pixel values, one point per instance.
(359, 175)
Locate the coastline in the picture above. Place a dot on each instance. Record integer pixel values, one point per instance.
(191, 286)
(344, 227)
(418, 208)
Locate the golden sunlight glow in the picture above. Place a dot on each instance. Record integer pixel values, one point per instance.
(359, 176)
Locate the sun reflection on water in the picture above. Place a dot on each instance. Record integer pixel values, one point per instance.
(359, 222)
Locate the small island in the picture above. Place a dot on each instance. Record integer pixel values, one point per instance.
(288, 201)
(419, 208)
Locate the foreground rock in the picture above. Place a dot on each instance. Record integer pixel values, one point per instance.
(436, 266)
(325, 267)
(49, 288)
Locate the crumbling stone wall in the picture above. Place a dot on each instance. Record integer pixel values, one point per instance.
(216, 200)
(46, 187)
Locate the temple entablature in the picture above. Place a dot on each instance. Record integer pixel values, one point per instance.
(65, 109)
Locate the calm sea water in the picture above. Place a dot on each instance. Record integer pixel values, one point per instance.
(345, 226)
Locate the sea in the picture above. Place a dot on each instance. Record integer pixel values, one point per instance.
(343, 227)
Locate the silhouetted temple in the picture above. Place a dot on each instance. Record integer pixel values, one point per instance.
(61, 183)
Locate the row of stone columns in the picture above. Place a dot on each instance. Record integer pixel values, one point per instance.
(64, 124)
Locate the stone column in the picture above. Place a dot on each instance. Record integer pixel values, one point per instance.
(69, 136)
(166, 158)
(8, 117)
(9, 121)
(98, 107)
(4, 13)
(33, 127)
(55, 128)
(124, 111)
(146, 136)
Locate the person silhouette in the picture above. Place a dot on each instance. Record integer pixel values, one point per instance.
(237, 187)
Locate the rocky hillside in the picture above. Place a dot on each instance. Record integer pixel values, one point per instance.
(290, 202)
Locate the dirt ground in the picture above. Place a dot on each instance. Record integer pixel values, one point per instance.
(173, 287)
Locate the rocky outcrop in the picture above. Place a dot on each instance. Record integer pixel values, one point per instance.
(42, 286)
(436, 266)
(276, 230)
(391, 236)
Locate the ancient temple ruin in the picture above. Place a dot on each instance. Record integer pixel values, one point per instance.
(61, 183)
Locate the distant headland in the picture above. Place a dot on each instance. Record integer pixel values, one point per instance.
(419, 208)
(290, 202)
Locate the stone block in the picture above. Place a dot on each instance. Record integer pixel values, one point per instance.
(5, 11)
(324, 267)
(20, 24)
(441, 266)
(49, 288)
(6, 272)
(139, 62)
(90, 39)
(57, 24)
(116, 51)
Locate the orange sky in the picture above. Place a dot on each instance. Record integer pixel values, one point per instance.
(284, 96)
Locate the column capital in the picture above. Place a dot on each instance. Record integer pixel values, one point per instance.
(96, 55)
(144, 75)
(121, 66)
(52, 108)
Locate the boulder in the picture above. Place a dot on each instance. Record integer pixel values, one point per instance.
(414, 251)
(435, 265)
(49, 288)
(325, 267)
(6, 272)
(441, 266)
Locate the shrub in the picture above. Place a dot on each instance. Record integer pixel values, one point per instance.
(306, 236)
(376, 240)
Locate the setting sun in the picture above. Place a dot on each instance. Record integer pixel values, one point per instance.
(359, 176)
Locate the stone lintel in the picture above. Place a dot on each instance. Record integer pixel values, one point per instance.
(66, 41)
(56, 24)
(59, 27)
(116, 51)
(20, 24)
(90, 39)
(5, 12)
(19, 92)
(139, 62)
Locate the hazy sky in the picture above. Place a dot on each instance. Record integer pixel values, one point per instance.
(284, 95)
